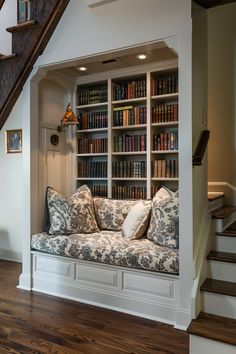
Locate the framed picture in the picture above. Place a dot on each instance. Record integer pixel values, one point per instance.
(23, 10)
(14, 141)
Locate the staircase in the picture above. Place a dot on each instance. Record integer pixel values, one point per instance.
(29, 39)
(214, 330)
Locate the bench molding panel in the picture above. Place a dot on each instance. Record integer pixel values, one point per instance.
(141, 293)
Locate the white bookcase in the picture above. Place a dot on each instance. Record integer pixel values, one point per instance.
(127, 137)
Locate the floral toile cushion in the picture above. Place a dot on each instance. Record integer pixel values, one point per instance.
(111, 213)
(109, 247)
(73, 215)
(164, 223)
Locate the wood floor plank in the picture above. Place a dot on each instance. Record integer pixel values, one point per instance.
(37, 323)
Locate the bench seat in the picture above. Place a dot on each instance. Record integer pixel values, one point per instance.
(109, 247)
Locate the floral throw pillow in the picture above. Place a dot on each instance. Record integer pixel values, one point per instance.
(75, 215)
(164, 223)
(111, 213)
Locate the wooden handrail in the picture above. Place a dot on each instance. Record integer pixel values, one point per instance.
(201, 148)
(1, 3)
(27, 45)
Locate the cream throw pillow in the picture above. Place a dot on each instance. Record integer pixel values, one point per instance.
(136, 222)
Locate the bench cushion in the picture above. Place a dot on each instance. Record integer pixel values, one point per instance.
(109, 247)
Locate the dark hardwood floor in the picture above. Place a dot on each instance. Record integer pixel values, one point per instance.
(34, 323)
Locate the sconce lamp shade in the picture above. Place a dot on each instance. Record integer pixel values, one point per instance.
(69, 117)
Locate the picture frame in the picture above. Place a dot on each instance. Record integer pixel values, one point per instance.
(14, 141)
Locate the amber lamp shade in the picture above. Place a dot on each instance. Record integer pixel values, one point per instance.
(69, 117)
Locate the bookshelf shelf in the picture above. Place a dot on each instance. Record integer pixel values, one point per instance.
(165, 124)
(120, 122)
(131, 127)
(165, 152)
(130, 153)
(165, 179)
(92, 105)
(128, 179)
(168, 96)
(97, 130)
(130, 100)
(92, 154)
(91, 178)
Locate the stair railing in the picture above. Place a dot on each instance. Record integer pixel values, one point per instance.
(201, 148)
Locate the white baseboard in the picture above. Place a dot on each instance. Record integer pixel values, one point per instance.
(25, 282)
(9, 255)
(183, 319)
(228, 189)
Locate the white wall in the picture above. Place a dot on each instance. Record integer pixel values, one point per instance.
(8, 18)
(11, 191)
(222, 93)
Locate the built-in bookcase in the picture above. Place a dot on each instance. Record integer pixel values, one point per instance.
(127, 136)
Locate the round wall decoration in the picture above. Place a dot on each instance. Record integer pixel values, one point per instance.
(54, 139)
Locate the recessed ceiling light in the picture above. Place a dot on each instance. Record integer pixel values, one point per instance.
(141, 56)
(82, 68)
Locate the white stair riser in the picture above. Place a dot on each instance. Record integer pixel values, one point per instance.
(221, 305)
(222, 224)
(225, 244)
(215, 204)
(222, 271)
(201, 345)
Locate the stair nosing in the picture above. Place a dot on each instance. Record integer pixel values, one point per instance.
(7, 57)
(21, 26)
(214, 257)
(218, 291)
(214, 216)
(214, 333)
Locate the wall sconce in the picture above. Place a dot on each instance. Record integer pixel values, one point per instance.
(68, 118)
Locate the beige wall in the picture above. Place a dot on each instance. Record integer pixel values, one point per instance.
(222, 93)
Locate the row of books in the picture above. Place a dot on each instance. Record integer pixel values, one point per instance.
(165, 113)
(90, 95)
(165, 85)
(129, 192)
(129, 169)
(92, 120)
(128, 143)
(165, 141)
(98, 190)
(129, 115)
(129, 90)
(165, 168)
(92, 169)
(89, 146)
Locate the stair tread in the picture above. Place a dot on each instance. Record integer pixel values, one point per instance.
(21, 26)
(219, 287)
(222, 256)
(213, 196)
(5, 57)
(214, 327)
(223, 212)
(230, 231)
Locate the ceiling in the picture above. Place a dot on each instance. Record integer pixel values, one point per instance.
(156, 52)
(212, 3)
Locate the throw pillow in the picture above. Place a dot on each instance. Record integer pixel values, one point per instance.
(75, 215)
(136, 222)
(111, 213)
(163, 228)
